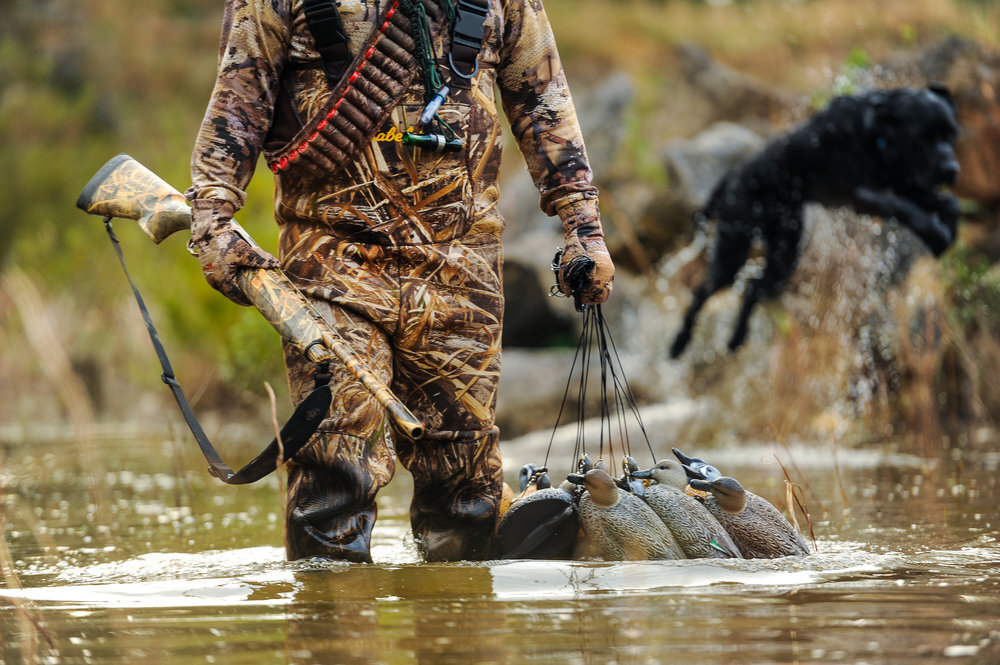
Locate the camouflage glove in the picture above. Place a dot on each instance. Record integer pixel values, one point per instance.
(583, 266)
(222, 248)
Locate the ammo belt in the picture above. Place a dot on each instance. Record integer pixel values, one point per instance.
(359, 105)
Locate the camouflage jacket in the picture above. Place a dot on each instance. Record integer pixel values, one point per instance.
(391, 194)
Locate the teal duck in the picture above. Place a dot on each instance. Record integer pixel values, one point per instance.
(757, 527)
(699, 534)
(619, 524)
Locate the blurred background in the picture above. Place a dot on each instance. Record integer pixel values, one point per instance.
(872, 341)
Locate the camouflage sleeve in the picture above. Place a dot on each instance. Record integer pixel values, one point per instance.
(537, 102)
(252, 48)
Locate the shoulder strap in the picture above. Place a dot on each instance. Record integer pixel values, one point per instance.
(327, 28)
(467, 40)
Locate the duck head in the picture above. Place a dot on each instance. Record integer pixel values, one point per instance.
(601, 486)
(527, 471)
(727, 491)
(627, 482)
(665, 472)
(696, 467)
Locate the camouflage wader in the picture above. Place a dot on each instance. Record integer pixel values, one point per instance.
(401, 251)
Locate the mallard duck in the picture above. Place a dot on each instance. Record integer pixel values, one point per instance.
(757, 528)
(699, 534)
(619, 524)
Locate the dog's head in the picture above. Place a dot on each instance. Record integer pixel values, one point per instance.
(914, 133)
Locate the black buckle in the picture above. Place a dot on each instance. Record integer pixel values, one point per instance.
(467, 33)
(469, 25)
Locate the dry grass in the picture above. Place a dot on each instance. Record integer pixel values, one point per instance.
(790, 44)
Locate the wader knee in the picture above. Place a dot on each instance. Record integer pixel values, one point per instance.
(457, 485)
(331, 504)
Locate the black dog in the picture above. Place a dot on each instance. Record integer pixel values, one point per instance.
(884, 152)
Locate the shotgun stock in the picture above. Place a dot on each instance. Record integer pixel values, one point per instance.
(126, 189)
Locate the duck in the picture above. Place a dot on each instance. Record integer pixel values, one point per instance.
(699, 534)
(696, 467)
(541, 523)
(629, 482)
(532, 478)
(758, 528)
(619, 525)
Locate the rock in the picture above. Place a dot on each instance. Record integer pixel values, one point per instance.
(972, 73)
(732, 95)
(696, 165)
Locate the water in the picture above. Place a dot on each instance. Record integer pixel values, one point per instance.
(167, 565)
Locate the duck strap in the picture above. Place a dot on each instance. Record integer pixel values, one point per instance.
(360, 104)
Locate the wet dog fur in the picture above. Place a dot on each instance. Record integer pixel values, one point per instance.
(881, 152)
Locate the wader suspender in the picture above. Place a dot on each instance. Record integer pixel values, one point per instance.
(362, 98)
(467, 40)
(327, 28)
(294, 435)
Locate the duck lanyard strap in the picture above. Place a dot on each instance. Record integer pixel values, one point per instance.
(293, 436)
(615, 404)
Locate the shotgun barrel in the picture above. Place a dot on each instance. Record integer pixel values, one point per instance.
(125, 189)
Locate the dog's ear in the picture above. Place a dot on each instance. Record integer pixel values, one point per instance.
(942, 91)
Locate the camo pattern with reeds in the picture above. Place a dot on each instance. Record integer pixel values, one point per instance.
(391, 193)
(427, 320)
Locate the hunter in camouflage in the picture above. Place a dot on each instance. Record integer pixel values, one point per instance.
(400, 248)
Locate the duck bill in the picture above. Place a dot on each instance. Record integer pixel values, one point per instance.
(575, 478)
(694, 473)
(644, 473)
(682, 458)
(700, 485)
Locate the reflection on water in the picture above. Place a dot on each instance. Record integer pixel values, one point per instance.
(175, 567)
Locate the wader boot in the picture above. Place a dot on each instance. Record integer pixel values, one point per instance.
(457, 485)
(331, 508)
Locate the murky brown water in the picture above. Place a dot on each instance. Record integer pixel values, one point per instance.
(170, 566)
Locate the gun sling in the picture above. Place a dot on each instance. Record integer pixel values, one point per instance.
(293, 436)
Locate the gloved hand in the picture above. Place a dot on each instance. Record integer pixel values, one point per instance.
(585, 271)
(222, 249)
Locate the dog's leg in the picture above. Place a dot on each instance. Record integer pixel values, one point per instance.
(934, 227)
(782, 258)
(729, 253)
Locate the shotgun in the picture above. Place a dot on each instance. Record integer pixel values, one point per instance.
(126, 189)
